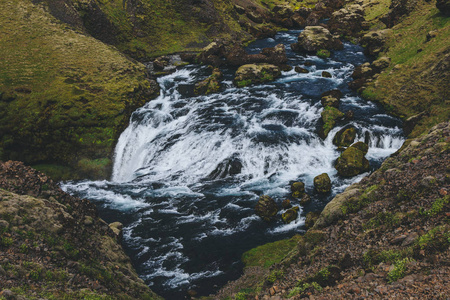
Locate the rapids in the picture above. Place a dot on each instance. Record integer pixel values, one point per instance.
(189, 169)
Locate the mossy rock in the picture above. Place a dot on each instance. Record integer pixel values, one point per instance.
(298, 189)
(323, 53)
(361, 146)
(322, 183)
(256, 73)
(209, 85)
(344, 137)
(352, 162)
(305, 199)
(311, 218)
(266, 208)
(330, 101)
(290, 215)
(330, 115)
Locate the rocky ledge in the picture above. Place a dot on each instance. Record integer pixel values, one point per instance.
(54, 246)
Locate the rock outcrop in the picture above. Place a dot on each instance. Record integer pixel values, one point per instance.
(256, 73)
(56, 245)
(315, 38)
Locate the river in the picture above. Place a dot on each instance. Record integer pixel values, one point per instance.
(187, 217)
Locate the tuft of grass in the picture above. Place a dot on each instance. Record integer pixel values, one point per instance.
(399, 269)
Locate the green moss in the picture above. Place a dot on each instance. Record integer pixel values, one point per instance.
(399, 269)
(271, 253)
(356, 204)
(323, 53)
(386, 219)
(243, 83)
(274, 276)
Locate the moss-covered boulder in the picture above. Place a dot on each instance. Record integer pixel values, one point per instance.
(210, 84)
(344, 137)
(290, 215)
(315, 38)
(361, 146)
(256, 73)
(352, 162)
(286, 204)
(311, 218)
(298, 189)
(330, 101)
(330, 115)
(266, 208)
(299, 69)
(322, 183)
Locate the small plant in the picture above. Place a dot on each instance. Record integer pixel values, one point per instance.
(275, 275)
(6, 242)
(23, 248)
(241, 296)
(399, 269)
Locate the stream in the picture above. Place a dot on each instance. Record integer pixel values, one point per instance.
(188, 211)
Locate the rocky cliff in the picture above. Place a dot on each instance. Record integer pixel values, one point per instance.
(54, 246)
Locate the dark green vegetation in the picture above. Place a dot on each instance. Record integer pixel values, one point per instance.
(54, 246)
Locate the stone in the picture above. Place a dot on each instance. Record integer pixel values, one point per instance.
(117, 228)
(210, 84)
(266, 208)
(286, 204)
(329, 115)
(311, 218)
(333, 93)
(300, 70)
(348, 21)
(256, 73)
(374, 41)
(329, 101)
(363, 147)
(344, 137)
(352, 162)
(322, 183)
(305, 200)
(315, 38)
(290, 215)
(410, 239)
(381, 63)
(326, 74)
(298, 189)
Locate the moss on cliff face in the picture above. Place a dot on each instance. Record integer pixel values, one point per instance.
(417, 79)
(64, 96)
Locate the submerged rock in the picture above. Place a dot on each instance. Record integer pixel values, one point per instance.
(301, 70)
(266, 208)
(290, 215)
(298, 189)
(322, 183)
(315, 38)
(256, 73)
(352, 161)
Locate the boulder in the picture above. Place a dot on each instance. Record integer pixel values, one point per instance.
(266, 208)
(229, 167)
(363, 71)
(255, 17)
(326, 74)
(322, 183)
(397, 10)
(352, 162)
(374, 41)
(361, 146)
(305, 200)
(344, 137)
(311, 218)
(347, 21)
(443, 6)
(330, 101)
(210, 84)
(329, 117)
(301, 70)
(314, 38)
(290, 215)
(286, 204)
(256, 73)
(298, 189)
(298, 21)
(334, 93)
(212, 54)
(275, 55)
(381, 64)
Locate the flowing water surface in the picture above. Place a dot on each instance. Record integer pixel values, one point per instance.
(189, 170)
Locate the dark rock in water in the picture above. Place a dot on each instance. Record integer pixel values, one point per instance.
(329, 101)
(305, 199)
(314, 38)
(290, 215)
(363, 147)
(333, 93)
(300, 70)
(161, 62)
(286, 204)
(266, 208)
(326, 74)
(210, 84)
(322, 183)
(352, 162)
(344, 137)
(298, 189)
(443, 6)
(272, 55)
(311, 218)
(229, 167)
(349, 115)
(256, 73)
